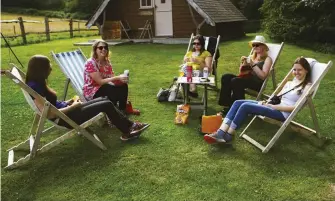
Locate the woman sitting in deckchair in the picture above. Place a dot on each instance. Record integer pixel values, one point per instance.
(278, 109)
(39, 69)
(200, 58)
(100, 80)
(233, 86)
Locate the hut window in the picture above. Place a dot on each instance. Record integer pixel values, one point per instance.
(162, 1)
(145, 3)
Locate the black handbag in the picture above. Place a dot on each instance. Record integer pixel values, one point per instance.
(163, 94)
(275, 100)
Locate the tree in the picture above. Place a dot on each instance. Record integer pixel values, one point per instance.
(299, 20)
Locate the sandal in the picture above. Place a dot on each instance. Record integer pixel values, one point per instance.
(135, 112)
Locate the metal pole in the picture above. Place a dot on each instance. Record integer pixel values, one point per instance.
(4, 38)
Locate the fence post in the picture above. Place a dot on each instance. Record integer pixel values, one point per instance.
(47, 30)
(71, 28)
(78, 27)
(23, 33)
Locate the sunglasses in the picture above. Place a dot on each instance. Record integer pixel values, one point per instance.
(196, 43)
(256, 45)
(103, 47)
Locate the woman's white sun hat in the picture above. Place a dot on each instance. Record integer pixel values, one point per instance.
(259, 39)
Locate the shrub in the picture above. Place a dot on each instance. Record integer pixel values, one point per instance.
(299, 21)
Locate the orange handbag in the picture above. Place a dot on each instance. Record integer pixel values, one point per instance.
(210, 124)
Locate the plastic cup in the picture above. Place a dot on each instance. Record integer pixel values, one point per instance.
(196, 73)
(248, 60)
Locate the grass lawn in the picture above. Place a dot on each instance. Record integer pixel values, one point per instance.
(168, 162)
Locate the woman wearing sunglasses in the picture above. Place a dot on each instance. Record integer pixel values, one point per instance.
(233, 87)
(200, 57)
(39, 69)
(100, 80)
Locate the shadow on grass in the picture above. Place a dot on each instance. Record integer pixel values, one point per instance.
(78, 155)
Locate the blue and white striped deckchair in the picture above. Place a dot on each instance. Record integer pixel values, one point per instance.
(72, 65)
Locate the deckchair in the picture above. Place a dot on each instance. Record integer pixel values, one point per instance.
(72, 64)
(274, 53)
(37, 130)
(319, 70)
(146, 29)
(125, 27)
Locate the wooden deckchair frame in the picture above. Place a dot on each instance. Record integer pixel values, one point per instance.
(260, 95)
(37, 130)
(305, 99)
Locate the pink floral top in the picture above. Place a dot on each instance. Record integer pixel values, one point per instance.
(90, 86)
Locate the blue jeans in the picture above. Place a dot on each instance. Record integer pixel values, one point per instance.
(241, 108)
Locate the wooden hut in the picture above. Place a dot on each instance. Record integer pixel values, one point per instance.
(167, 18)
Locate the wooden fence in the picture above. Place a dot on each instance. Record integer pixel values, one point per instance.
(47, 27)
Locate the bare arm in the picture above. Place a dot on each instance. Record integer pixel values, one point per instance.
(186, 58)
(208, 63)
(98, 79)
(263, 73)
(282, 108)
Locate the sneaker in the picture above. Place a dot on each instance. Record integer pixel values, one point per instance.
(138, 128)
(109, 123)
(210, 138)
(215, 138)
(135, 131)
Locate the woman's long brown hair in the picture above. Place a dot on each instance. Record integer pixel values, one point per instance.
(304, 63)
(39, 69)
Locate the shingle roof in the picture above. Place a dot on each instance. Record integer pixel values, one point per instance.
(218, 10)
(97, 13)
(213, 11)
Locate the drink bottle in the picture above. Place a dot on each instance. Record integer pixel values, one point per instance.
(189, 73)
(205, 73)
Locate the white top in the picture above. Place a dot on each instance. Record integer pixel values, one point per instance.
(291, 97)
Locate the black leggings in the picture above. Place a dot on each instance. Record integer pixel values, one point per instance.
(116, 94)
(92, 108)
(232, 88)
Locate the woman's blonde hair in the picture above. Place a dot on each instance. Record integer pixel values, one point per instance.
(94, 49)
(263, 57)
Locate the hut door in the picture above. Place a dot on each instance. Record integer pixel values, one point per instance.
(163, 18)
